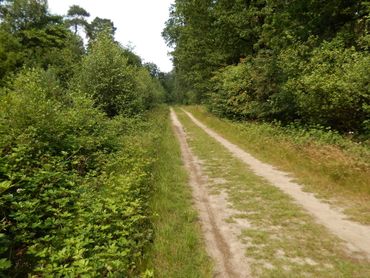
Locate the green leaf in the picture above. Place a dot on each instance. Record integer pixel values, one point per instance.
(5, 264)
(5, 185)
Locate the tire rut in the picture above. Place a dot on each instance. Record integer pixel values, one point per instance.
(221, 239)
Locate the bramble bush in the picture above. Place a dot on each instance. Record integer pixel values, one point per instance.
(74, 184)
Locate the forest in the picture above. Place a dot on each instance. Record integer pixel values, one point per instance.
(297, 62)
(92, 178)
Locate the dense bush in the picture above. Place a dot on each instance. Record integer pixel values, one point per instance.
(327, 86)
(106, 76)
(74, 184)
(149, 88)
(244, 91)
(117, 86)
(333, 88)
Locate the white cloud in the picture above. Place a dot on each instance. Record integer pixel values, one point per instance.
(138, 21)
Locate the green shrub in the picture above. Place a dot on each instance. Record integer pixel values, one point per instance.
(244, 91)
(230, 97)
(108, 78)
(74, 184)
(149, 89)
(332, 89)
(326, 85)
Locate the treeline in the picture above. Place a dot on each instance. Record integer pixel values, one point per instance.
(297, 61)
(76, 146)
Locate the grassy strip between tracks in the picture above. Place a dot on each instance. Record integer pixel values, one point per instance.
(178, 249)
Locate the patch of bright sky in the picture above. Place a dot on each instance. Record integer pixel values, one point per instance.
(139, 24)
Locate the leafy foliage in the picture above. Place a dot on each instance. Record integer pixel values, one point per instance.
(274, 60)
(99, 25)
(115, 85)
(107, 77)
(74, 184)
(332, 89)
(30, 36)
(76, 149)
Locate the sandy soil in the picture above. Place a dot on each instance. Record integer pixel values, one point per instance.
(355, 236)
(221, 237)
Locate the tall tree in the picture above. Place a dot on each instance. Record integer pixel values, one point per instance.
(152, 69)
(99, 25)
(188, 29)
(21, 15)
(31, 36)
(76, 17)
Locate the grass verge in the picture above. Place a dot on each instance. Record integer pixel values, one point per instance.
(178, 249)
(338, 173)
(282, 240)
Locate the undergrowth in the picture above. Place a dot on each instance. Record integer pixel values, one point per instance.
(75, 185)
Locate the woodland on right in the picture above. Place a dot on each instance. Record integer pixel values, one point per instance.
(294, 62)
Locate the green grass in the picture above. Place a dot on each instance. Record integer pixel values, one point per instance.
(178, 249)
(283, 240)
(336, 172)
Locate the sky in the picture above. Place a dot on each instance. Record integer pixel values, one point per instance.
(139, 24)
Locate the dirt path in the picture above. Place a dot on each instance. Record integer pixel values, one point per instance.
(355, 235)
(221, 238)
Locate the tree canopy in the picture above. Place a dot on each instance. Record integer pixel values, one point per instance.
(99, 25)
(279, 60)
(76, 17)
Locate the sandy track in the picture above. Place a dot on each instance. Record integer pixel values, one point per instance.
(355, 236)
(221, 237)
